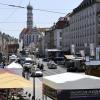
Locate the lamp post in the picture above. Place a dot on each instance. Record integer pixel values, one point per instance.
(33, 75)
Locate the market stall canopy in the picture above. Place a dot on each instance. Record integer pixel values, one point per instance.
(52, 50)
(70, 57)
(16, 68)
(2, 71)
(10, 80)
(13, 56)
(14, 65)
(69, 81)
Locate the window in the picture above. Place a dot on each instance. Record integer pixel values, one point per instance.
(60, 34)
(37, 38)
(33, 38)
(60, 43)
(99, 19)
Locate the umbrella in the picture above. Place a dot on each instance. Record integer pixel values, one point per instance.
(10, 80)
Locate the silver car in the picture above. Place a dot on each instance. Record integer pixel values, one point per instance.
(37, 73)
(52, 65)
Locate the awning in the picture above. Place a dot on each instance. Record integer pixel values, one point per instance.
(70, 57)
(10, 80)
(14, 65)
(52, 50)
(72, 81)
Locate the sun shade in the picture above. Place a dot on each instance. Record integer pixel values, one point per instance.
(10, 80)
(69, 56)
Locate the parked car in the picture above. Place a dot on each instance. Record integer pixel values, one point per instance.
(45, 59)
(52, 65)
(28, 62)
(36, 73)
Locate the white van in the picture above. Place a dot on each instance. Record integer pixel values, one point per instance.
(28, 62)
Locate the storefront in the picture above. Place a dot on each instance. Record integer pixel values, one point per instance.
(71, 87)
(92, 68)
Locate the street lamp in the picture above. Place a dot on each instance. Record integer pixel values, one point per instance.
(33, 75)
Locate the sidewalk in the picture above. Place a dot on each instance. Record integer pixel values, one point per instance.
(38, 89)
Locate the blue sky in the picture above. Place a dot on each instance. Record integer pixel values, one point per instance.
(13, 20)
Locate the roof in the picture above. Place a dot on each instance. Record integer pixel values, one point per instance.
(70, 57)
(84, 4)
(14, 65)
(69, 81)
(52, 50)
(60, 24)
(27, 31)
(42, 29)
(29, 7)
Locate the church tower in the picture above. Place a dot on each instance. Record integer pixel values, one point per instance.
(29, 16)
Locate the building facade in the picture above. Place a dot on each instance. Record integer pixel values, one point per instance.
(83, 29)
(49, 38)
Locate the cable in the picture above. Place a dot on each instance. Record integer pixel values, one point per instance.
(12, 22)
(33, 9)
(12, 5)
(48, 11)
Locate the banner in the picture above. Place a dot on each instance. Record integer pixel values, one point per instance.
(97, 53)
(72, 49)
(92, 49)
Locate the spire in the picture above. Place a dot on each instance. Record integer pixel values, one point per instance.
(29, 16)
(29, 6)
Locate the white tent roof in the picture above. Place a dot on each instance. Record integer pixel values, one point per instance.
(52, 50)
(72, 81)
(13, 56)
(70, 56)
(14, 65)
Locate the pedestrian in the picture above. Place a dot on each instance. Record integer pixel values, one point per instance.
(42, 67)
(23, 74)
(38, 65)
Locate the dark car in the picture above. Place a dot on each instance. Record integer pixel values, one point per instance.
(45, 59)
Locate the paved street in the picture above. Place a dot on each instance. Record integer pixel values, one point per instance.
(38, 81)
(38, 88)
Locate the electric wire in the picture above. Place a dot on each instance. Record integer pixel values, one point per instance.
(33, 8)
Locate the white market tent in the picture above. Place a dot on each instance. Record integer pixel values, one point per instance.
(70, 57)
(13, 57)
(70, 81)
(16, 68)
(52, 50)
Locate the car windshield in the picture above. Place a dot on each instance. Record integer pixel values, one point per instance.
(37, 69)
